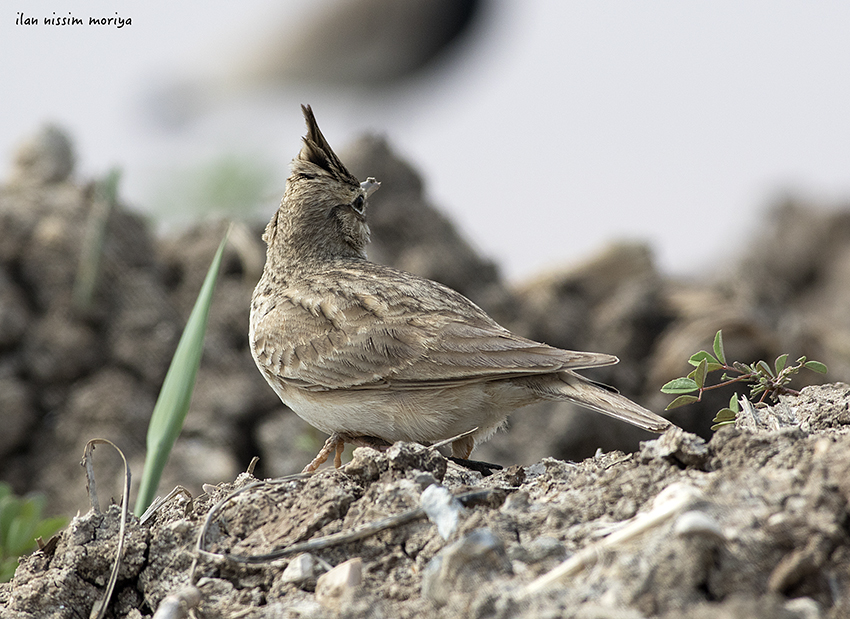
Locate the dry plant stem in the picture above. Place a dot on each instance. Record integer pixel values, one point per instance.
(199, 546)
(98, 611)
(159, 501)
(779, 389)
(312, 545)
(447, 441)
(346, 537)
(676, 498)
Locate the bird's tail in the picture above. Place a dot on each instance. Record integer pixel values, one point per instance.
(602, 399)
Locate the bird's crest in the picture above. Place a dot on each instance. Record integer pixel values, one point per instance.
(317, 151)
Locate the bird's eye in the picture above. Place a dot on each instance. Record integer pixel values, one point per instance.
(357, 205)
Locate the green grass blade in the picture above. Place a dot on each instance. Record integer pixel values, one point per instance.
(176, 393)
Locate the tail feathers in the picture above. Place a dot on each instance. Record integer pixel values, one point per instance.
(603, 399)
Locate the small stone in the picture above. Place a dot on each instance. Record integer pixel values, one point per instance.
(697, 523)
(408, 456)
(676, 445)
(341, 580)
(301, 569)
(804, 608)
(516, 502)
(442, 508)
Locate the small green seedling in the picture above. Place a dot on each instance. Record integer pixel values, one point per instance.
(20, 525)
(763, 379)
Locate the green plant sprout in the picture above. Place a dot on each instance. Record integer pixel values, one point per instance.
(172, 404)
(764, 380)
(20, 525)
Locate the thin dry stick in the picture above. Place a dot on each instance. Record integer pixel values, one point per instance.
(362, 532)
(312, 545)
(159, 501)
(453, 439)
(668, 502)
(199, 546)
(98, 611)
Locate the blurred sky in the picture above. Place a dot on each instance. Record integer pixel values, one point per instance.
(558, 127)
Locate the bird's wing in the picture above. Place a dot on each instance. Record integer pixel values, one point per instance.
(392, 329)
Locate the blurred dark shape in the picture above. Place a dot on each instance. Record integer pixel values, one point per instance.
(355, 44)
(364, 42)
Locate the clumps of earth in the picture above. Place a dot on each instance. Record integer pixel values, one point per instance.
(588, 517)
(753, 523)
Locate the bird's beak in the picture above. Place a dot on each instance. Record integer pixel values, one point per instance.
(370, 186)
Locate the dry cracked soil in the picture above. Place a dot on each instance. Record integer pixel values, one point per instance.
(753, 523)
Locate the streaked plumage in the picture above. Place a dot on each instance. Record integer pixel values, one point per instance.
(362, 350)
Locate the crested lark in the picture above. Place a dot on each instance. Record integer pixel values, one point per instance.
(368, 353)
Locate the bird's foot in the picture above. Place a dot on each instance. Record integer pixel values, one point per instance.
(336, 444)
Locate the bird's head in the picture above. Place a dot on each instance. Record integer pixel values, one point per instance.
(323, 212)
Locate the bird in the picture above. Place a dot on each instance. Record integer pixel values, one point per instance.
(373, 355)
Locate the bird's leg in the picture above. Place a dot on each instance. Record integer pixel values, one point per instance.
(462, 447)
(340, 446)
(336, 442)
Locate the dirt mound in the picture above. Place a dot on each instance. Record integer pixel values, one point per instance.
(751, 524)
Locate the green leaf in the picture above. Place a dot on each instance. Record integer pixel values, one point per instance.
(699, 374)
(780, 362)
(21, 538)
(717, 426)
(10, 507)
(725, 414)
(680, 385)
(764, 367)
(816, 366)
(697, 357)
(176, 393)
(681, 401)
(22, 532)
(724, 417)
(733, 403)
(718, 347)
